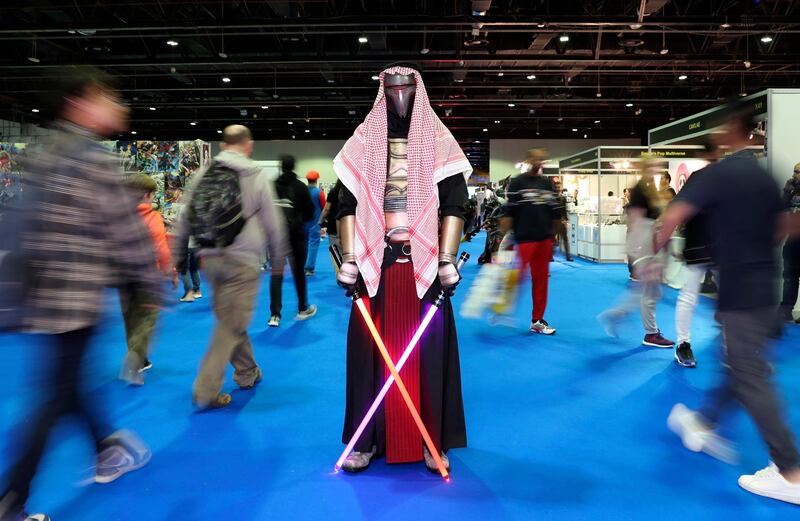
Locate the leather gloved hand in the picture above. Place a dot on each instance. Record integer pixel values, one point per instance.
(449, 277)
(348, 277)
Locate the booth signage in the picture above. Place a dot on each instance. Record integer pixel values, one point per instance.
(704, 122)
(590, 155)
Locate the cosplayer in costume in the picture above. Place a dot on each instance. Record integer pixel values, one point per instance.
(401, 216)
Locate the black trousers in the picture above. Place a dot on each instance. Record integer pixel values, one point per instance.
(791, 275)
(748, 380)
(297, 262)
(62, 396)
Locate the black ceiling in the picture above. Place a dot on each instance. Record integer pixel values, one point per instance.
(304, 61)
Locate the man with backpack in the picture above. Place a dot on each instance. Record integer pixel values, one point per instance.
(230, 213)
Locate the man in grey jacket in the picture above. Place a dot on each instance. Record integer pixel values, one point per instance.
(233, 271)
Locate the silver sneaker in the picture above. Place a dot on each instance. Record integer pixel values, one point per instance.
(125, 453)
(274, 321)
(431, 463)
(358, 461)
(542, 327)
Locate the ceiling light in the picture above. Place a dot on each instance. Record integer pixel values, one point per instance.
(597, 122)
(766, 39)
(585, 136)
(663, 51)
(743, 94)
(222, 54)
(635, 27)
(501, 74)
(574, 129)
(599, 94)
(564, 38)
(133, 132)
(477, 142)
(33, 59)
(486, 130)
(424, 50)
(751, 135)
(467, 153)
(34, 110)
(497, 122)
(511, 105)
(376, 78)
(265, 107)
(331, 80)
(458, 80)
(193, 123)
(172, 43)
(540, 25)
(363, 39)
(290, 122)
(307, 131)
(629, 105)
(682, 77)
(531, 77)
(726, 25)
(152, 108)
(747, 64)
(560, 118)
(226, 79)
(219, 132)
(638, 111)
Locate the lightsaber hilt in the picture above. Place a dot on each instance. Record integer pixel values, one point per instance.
(462, 259)
(337, 259)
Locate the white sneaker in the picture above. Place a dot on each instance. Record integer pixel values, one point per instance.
(307, 313)
(198, 295)
(188, 297)
(770, 483)
(542, 327)
(274, 321)
(698, 437)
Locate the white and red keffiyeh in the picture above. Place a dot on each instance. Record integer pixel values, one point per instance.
(433, 155)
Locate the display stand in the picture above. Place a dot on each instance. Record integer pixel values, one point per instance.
(596, 218)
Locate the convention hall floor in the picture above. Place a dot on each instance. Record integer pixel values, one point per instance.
(564, 427)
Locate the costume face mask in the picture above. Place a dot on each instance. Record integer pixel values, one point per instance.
(400, 91)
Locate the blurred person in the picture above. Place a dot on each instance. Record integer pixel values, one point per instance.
(626, 197)
(408, 213)
(744, 209)
(562, 223)
(328, 216)
(533, 213)
(295, 201)
(232, 185)
(81, 235)
(791, 249)
(191, 273)
(643, 210)
(138, 316)
(698, 256)
(313, 228)
(665, 190)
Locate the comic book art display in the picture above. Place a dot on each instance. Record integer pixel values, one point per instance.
(10, 176)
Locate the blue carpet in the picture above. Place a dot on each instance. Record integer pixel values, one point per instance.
(563, 427)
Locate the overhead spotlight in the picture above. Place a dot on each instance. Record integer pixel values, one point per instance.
(265, 107)
(458, 80)
(512, 105)
(501, 74)
(133, 132)
(766, 39)
(307, 131)
(574, 129)
(497, 122)
(747, 64)
(597, 122)
(635, 27)
(541, 25)
(376, 78)
(219, 131)
(152, 108)
(468, 153)
(477, 142)
(34, 110)
(363, 39)
(172, 43)
(629, 105)
(486, 130)
(222, 54)
(424, 50)
(331, 80)
(226, 79)
(599, 94)
(751, 135)
(531, 76)
(726, 25)
(560, 118)
(33, 59)
(585, 136)
(742, 94)
(193, 123)
(663, 51)
(290, 122)
(243, 112)
(682, 77)
(564, 38)
(638, 111)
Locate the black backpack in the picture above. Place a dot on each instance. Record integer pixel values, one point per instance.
(215, 211)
